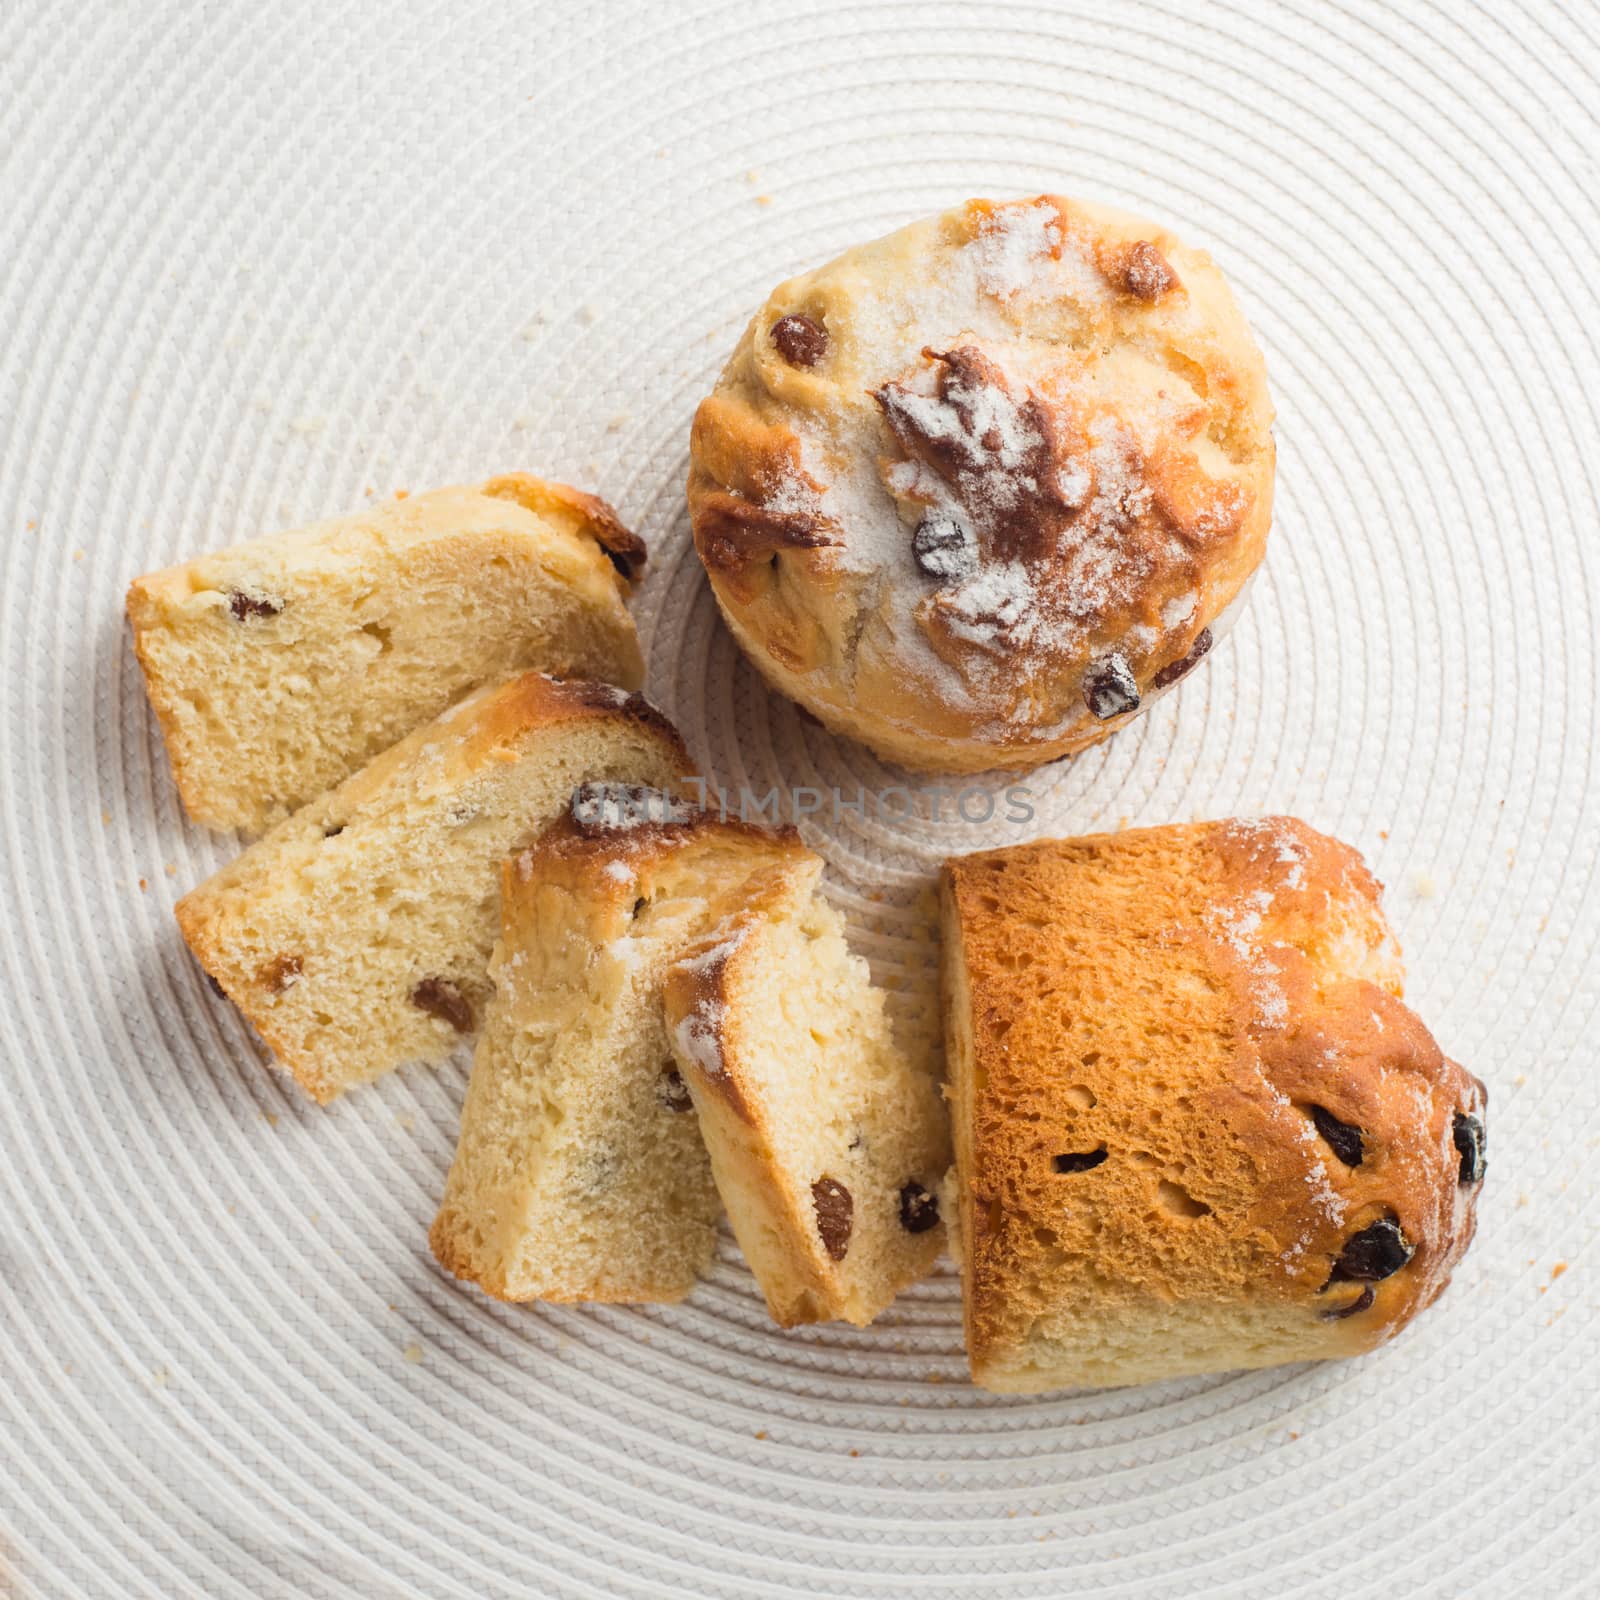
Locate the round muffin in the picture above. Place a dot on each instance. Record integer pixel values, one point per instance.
(977, 492)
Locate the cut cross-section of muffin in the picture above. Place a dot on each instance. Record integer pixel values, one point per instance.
(827, 1141)
(580, 1172)
(1196, 1128)
(356, 935)
(277, 667)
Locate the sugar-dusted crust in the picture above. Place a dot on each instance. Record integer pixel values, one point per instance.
(578, 1175)
(277, 667)
(422, 828)
(1004, 490)
(827, 1141)
(700, 990)
(1185, 1080)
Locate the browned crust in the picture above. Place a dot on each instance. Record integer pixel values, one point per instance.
(567, 853)
(596, 517)
(535, 700)
(1111, 947)
(739, 463)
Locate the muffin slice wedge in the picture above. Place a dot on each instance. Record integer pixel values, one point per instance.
(1196, 1127)
(828, 1142)
(279, 666)
(580, 1173)
(356, 935)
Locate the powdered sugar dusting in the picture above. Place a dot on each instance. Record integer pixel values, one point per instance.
(1000, 431)
(1324, 1197)
(997, 605)
(1048, 522)
(698, 1033)
(698, 1038)
(1272, 834)
(1013, 244)
(1238, 924)
(980, 421)
(796, 494)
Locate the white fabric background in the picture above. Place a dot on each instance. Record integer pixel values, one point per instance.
(258, 260)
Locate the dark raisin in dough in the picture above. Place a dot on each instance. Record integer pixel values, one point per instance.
(919, 1210)
(1147, 275)
(801, 340)
(944, 547)
(216, 988)
(442, 999)
(1469, 1141)
(1377, 1252)
(280, 973)
(244, 605)
(1343, 1139)
(1081, 1160)
(835, 1215)
(1362, 1302)
(1184, 665)
(1109, 688)
(672, 1091)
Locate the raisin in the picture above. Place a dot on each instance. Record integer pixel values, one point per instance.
(216, 988)
(1361, 1303)
(1109, 689)
(944, 547)
(334, 831)
(1184, 665)
(1343, 1139)
(802, 341)
(919, 1210)
(1468, 1135)
(1377, 1252)
(280, 973)
(1080, 1160)
(244, 605)
(1147, 275)
(672, 1091)
(835, 1213)
(442, 999)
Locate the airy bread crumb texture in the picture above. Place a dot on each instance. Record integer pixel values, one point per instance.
(1196, 1128)
(356, 935)
(278, 667)
(828, 1143)
(580, 1173)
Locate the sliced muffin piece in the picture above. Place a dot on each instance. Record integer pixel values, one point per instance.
(580, 1173)
(827, 1141)
(356, 935)
(278, 667)
(1196, 1128)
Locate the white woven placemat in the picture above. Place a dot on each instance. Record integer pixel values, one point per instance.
(260, 260)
